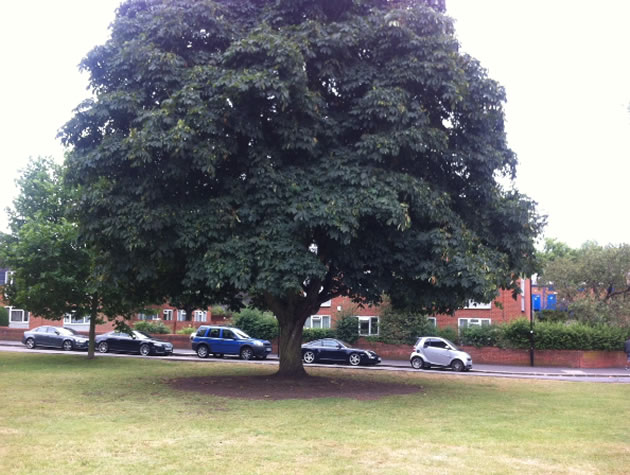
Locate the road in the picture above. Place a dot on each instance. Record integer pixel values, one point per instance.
(605, 375)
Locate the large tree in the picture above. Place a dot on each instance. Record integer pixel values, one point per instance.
(291, 151)
(593, 281)
(54, 273)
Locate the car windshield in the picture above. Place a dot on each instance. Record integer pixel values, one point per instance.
(241, 335)
(67, 331)
(344, 344)
(140, 335)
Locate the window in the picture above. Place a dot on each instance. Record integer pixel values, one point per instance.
(17, 315)
(478, 306)
(432, 321)
(200, 316)
(71, 319)
(317, 321)
(181, 315)
(227, 334)
(168, 314)
(214, 333)
(143, 316)
(201, 331)
(473, 322)
(368, 326)
(327, 303)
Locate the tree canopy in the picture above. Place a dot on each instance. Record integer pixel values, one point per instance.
(54, 273)
(592, 282)
(290, 151)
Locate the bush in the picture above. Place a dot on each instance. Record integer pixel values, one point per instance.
(256, 323)
(186, 331)
(403, 327)
(154, 328)
(311, 334)
(552, 316)
(447, 332)
(4, 317)
(489, 335)
(347, 329)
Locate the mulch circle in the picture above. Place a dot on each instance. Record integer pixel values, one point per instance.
(275, 388)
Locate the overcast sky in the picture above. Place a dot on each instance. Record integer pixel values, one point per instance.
(563, 63)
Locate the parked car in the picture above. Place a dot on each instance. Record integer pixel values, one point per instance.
(55, 337)
(435, 351)
(220, 341)
(331, 350)
(134, 342)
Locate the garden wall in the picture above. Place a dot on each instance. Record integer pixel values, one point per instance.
(493, 355)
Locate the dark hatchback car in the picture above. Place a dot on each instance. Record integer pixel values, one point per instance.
(331, 350)
(134, 342)
(221, 341)
(55, 337)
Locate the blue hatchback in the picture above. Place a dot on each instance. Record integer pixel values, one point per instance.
(221, 341)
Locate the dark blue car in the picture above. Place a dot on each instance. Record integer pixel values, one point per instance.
(55, 337)
(220, 341)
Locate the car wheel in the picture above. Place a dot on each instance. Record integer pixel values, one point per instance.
(67, 345)
(103, 347)
(308, 357)
(145, 350)
(30, 343)
(354, 359)
(246, 353)
(202, 351)
(457, 365)
(417, 362)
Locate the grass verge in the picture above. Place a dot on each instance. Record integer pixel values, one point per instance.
(63, 413)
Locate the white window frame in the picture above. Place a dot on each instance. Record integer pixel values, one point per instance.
(473, 322)
(200, 316)
(472, 305)
(369, 319)
(144, 316)
(323, 319)
(69, 319)
(433, 320)
(24, 318)
(181, 315)
(168, 314)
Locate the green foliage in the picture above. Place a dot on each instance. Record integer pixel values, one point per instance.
(347, 328)
(488, 335)
(287, 152)
(552, 316)
(256, 323)
(310, 334)
(154, 328)
(4, 317)
(186, 331)
(403, 326)
(593, 281)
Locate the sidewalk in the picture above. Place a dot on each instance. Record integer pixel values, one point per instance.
(477, 368)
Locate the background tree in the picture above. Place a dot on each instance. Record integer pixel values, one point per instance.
(297, 150)
(54, 274)
(594, 281)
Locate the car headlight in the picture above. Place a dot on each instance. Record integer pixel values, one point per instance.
(258, 343)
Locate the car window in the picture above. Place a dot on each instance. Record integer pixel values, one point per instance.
(140, 335)
(67, 331)
(201, 331)
(329, 343)
(438, 344)
(215, 333)
(227, 334)
(313, 343)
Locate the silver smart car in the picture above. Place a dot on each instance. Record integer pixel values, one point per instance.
(435, 351)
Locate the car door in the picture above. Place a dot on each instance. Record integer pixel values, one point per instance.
(129, 343)
(44, 337)
(114, 341)
(229, 343)
(437, 352)
(330, 351)
(56, 338)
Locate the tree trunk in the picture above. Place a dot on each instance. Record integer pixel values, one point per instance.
(290, 347)
(92, 332)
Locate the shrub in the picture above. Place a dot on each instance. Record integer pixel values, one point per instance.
(515, 334)
(447, 332)
(311, 334)
(153, 328)
(186, 331)
(4, 317)
(403, 326)
(489, 335)
(256, 323)
(347, 329)
(552, 316)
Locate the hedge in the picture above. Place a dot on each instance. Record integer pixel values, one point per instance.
(548, 336)
(153, 328)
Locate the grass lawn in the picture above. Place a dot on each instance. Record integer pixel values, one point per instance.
(65, 414)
